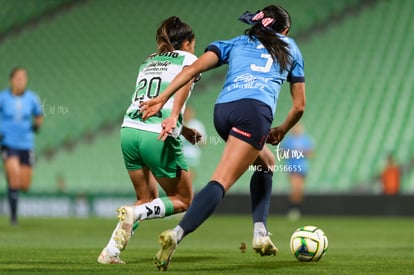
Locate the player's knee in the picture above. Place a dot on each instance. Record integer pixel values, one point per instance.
(146, 199)
(267, 159)
(25, 185)
(14, 182)
(185, 202)
(269, 163)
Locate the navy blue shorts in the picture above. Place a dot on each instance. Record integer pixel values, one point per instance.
(26, 157)
(246, 119)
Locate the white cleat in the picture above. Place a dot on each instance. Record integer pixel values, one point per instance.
(264, 245)
(105, 258)
(168, 242)
(124, 231)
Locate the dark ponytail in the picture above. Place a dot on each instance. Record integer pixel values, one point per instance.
(172, 33)
(277, 48)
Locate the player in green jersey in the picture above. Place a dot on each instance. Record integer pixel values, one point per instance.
(147, 159)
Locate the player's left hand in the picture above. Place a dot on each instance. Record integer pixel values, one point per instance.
(168, 125)
(150, 107)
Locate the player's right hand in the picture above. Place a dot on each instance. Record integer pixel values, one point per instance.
(276, 135)
(150, 107)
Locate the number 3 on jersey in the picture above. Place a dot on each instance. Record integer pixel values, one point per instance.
(149, 88)
(269, 61)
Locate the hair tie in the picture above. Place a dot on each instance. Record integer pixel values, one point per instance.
(254, 18)
(258, 16)
(267, 22)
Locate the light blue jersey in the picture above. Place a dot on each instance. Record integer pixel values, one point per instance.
(252, 72)
(296, 149)
(16, 115)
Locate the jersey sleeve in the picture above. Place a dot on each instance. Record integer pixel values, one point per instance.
(190, 59)
(37, 106)
(221, 49)
(297, 70)
(1, 101)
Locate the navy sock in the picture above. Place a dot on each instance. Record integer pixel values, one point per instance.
(260, 195)
(12, 195)
(203, 205)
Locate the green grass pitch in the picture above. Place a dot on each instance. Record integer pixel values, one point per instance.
(357, 245)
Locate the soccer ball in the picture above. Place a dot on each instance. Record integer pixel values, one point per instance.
(308, 243)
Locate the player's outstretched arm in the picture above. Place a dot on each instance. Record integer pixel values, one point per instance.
(207, 61)
(297, 92)
(170, 123)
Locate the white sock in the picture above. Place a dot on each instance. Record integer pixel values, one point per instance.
(111, 247)
(150, 210)
(180, 233)
(260, 229)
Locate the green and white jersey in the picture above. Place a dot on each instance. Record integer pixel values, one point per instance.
(154, 75)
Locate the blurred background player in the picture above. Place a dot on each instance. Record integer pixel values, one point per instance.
(192, 152)
(147, 159)
(390, 177)
(297, 147)
(21, 115)
(258, 64)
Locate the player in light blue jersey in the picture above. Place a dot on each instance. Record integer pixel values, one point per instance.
(296, 149)
(21, 115)
(259, 62)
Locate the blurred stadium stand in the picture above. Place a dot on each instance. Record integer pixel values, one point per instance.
(83, 61)
(15, 14)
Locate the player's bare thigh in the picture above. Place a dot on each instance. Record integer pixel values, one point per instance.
(236, 158)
